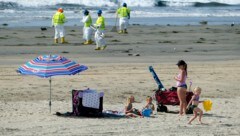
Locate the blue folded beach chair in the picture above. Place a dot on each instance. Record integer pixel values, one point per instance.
(158, 81)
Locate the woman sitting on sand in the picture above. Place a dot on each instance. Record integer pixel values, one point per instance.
(129, 110)
(182, 86)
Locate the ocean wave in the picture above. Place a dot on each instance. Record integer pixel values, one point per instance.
(108, 4)
(9, 5)
(196, 3)
(160, 4)
(210, 4)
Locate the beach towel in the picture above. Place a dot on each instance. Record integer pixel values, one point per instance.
(91, 100)
(112, 113)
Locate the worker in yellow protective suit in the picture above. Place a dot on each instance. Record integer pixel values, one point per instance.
(124, 16)
(100, 32)
(87, 31)
(58, 21)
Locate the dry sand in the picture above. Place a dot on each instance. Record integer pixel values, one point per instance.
(212, 53)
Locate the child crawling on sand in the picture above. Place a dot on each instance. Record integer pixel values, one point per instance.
(129, 110)
(193, 104)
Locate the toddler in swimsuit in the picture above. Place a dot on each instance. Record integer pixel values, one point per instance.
(129, 110)
(149, 104)
(193, 104)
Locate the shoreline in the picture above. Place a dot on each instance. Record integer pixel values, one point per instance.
(148, 21)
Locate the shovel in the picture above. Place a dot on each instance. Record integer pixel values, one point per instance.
(114, 28)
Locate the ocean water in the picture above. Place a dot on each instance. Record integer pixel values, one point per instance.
(17, 13)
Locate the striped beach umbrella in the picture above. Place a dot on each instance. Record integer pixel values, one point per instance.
(46, 66)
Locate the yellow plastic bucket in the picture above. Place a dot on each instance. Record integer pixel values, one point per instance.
(207, 105)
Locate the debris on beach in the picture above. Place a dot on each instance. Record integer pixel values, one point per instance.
(139, 43)
(166, 42)
(203, 22)
(115, 40)
(163, 32)
(40, 37)
(43, 28)
(238, 32)
(3, 37)
(175, 32)
(130, 54)
(136, 24)
(127, 51)
(201, 40)
(5, 24)
(65, 52)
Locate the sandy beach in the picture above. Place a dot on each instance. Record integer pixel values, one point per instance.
(212, 54)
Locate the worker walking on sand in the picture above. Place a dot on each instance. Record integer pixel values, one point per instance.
(58, 21)
(124, 16)
(100, 32)
(87, 31)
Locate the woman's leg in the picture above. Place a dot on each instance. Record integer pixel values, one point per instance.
(181, 92)
(180, 100)
(184, 95)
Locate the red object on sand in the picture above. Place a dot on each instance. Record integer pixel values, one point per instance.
(170, 97)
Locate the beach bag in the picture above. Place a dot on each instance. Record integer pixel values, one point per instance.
(78, 107)
(162, 108)
(173, 89)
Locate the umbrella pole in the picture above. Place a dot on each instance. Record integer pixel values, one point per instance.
(50, 103)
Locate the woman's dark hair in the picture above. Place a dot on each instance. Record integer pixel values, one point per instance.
(182, 63)
(185, 67)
